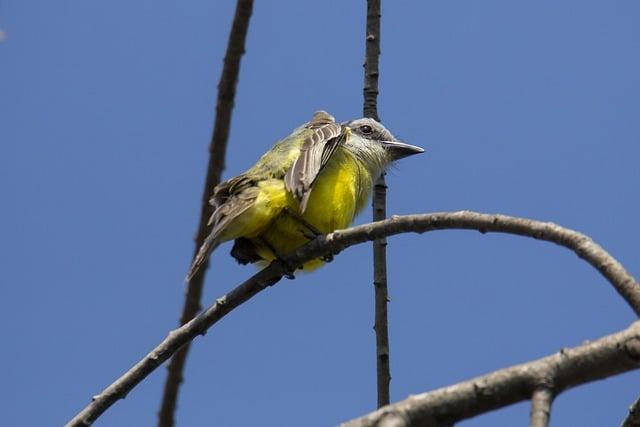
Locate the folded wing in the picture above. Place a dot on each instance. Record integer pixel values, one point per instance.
(315, 152)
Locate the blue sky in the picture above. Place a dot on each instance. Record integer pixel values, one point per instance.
(528, 109)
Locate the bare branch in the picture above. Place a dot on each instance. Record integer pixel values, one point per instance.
(370, 109)
(569, 368)
(582, 245)
(633, 417)
(541, 406)
(217, 153)
(372, 57)
(335, 242)
(381, 325)
(174, 341)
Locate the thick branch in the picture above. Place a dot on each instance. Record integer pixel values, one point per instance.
(335, 242)
(370, 109)
(217, 153)
(569, 368)
(541, 406)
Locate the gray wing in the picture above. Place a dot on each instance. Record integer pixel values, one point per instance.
(315, 152)
(230, 199)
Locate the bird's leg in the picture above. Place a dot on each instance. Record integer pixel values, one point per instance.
(314, 232)
(311, 232)
(287, 268)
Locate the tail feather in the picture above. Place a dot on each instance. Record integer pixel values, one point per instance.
(209, 244)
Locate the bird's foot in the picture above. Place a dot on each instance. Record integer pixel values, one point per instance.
(309, 231)
(309, 235)
(287, 270)
(327, 258)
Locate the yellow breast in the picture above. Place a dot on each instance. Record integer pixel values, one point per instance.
(339, 193)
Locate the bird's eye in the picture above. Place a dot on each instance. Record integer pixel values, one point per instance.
(366, 129)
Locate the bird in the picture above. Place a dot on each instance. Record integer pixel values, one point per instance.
(314, 181)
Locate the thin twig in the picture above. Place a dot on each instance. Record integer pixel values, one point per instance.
(217, 153)
(370, 109)
(333, 243)
(633, 417)
(605, 357)
(381, 324)
(541, 406)
(372, 59)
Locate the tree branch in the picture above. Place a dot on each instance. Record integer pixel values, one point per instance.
(370, 109)
(569, 368)
(372, 58)
(381, 324)
(174, 341)
(633, 417)
(577, 242)
(541, 406)
(335, 242)
(217, 153)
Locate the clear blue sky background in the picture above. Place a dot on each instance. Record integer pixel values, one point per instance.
(106, 110)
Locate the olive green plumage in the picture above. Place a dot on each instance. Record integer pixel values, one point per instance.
(314, 181)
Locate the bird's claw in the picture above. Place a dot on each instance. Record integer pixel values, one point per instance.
(309, 235)
(327, 258)
(287, 270)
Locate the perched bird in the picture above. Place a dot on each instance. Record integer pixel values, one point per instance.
(314, 181)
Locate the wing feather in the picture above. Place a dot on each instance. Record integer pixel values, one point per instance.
(315, 152)
(231, 199)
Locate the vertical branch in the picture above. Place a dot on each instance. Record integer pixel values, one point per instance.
(372, 60)
(217, 153)
(541, 407)
(370, 109)
(381, 296)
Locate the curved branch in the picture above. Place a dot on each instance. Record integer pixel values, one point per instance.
(217, 154)
(577, 242)
(569, 368)
(341, 239)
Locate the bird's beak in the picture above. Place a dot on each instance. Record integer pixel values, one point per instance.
(400, 150)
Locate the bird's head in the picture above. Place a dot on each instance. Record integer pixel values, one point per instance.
(373, 143)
